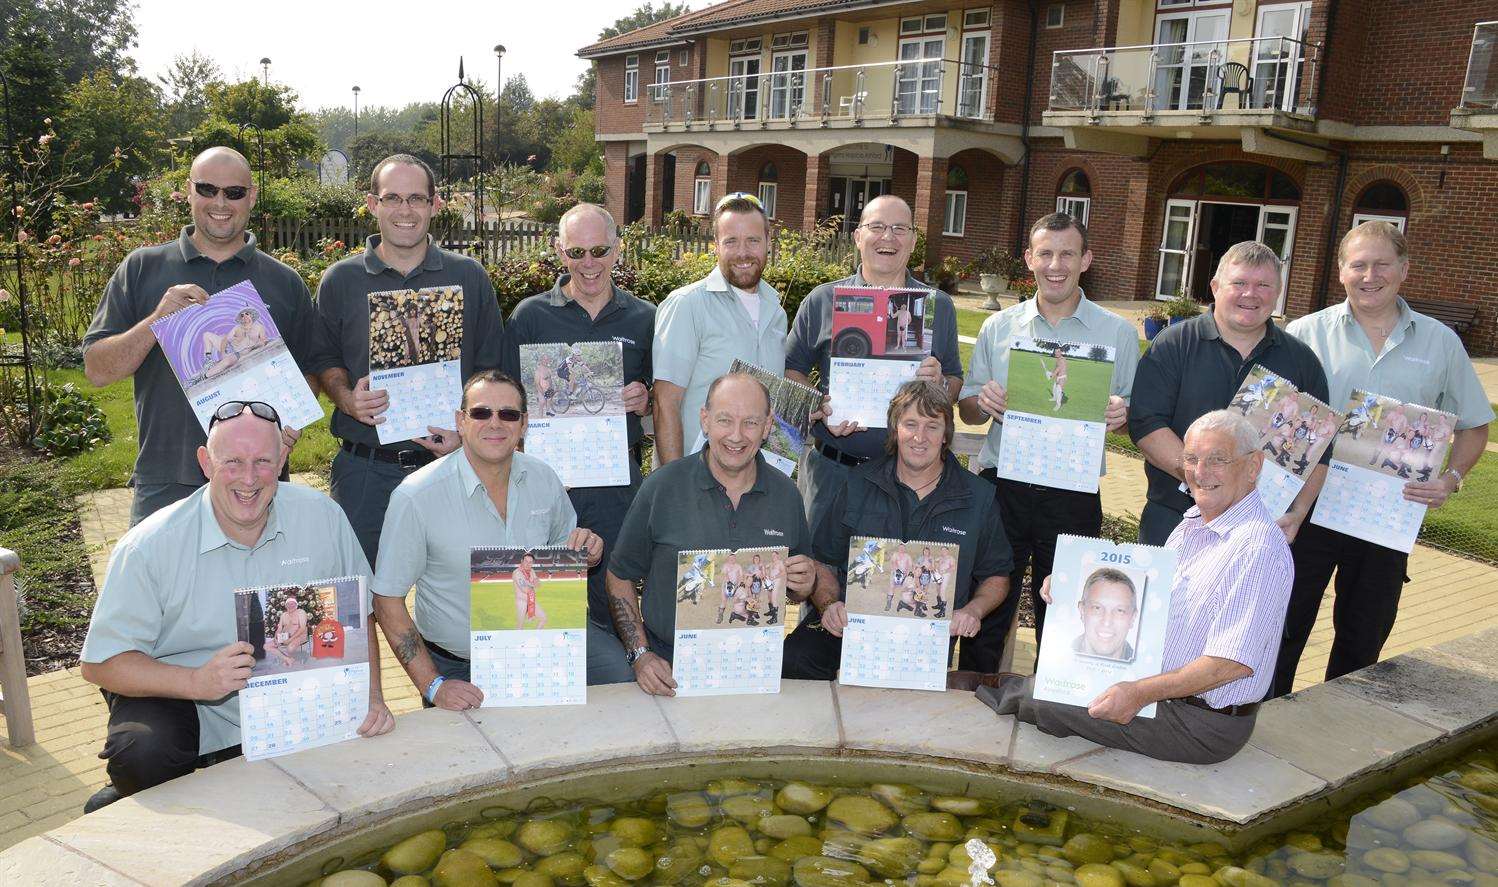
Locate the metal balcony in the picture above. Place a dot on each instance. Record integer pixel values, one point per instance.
(1478, 110)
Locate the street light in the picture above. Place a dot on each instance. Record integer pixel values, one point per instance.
(356, 110)
(499, 165)
(265, 68)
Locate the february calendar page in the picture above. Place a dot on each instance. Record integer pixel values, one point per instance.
(415, 351)
(1382, 445)
(879, 338)
(577, 422)
(230, 349)
(1294, 431)
(899, 598)
(729, 622)
(1054, 426)
(310, 682)
(528, 625)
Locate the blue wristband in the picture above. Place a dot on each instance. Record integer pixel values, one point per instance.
(431, 690)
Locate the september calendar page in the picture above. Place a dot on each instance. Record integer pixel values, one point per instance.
(879, 338)
(310, 682)
(899, 597)
(576, 404)
(230, 349)
(415, 351)
(729, 621)
(528, 625)
(1054, 426)
(1294, 431)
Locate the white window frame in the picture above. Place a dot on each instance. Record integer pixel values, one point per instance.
(768, 191)
(702, 196)
(662, 80)
(790, 40)
(954, 215)
(1397, 221)
(976, 18)
(1060, 19)
(920, 74)
(1078, 208)
(964, 78)
(631, 79)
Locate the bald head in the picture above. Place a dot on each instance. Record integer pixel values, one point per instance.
(585, 215)
(220, 158)
(888, 208)
(741, 388)
(245, 429)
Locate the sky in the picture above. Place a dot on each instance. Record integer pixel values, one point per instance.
(323, 49)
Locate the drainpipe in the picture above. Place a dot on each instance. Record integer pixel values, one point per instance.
(1024, 130)
(1329, 248)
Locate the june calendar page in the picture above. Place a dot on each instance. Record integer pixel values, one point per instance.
(899, 600)
(528, 625)
(729, 621)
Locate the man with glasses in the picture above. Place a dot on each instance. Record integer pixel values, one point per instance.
(162, 642)
(703, 327)
(585, 306)
(486, 493)
(212, 254)
(403, 197)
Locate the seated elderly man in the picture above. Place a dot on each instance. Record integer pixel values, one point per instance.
(162, 640)
(1227, 606)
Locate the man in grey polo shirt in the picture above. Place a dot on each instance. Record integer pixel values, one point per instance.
(701, 328)
(1035, 515)
(726, 496)
(486, 493)
(403, 197)
(162, 640)
(1374, 342)
(212, 254)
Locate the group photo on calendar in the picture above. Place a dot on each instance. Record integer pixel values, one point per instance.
(912, 580)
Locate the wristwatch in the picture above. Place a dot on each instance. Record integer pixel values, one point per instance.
(634, 655)
(1454, 473)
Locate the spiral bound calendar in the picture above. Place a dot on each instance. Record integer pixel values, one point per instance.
(576, 405)
(1294, 431)
(1054, 423)
(899, 599)
(415, 356)
(528, 634)
(730, 623)
(879, 338)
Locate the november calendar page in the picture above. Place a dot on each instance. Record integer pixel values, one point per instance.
(729, 621)
(1054, 424)
(415, 349)
(229, 348)
(899, 596)
(528, 611)
(574, 392)
(879, 338)
(1294, 431)
(310, 682)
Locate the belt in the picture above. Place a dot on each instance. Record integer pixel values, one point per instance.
(443, 652)
(403, 458)
(1237, 711)
(839, 456)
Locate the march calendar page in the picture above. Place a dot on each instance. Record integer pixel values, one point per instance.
(729, 621)
(528, 625)
(1294, 431)
(415, 355)
(1054, 424)
(899, 597)
(576, 405)
(879, 338)
(310, 682)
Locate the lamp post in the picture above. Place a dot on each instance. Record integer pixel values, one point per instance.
(499, 164)
(356, 111)
(265, 69)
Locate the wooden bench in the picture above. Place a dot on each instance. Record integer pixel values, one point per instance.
(15, 700)
(1458, 315)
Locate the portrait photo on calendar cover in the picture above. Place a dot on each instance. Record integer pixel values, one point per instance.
(517, 589)
(1294, 427)
(1407, 441)
(211, 343)
(730, 589)
(907, 580)
(875, 322)
(298, 627)
(410, 328)
(792, 404)
(1060, 380)
(579, 379)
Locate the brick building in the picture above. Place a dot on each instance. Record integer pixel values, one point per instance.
(1174, 127)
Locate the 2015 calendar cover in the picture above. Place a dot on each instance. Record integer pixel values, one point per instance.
(911, 580)
(515, 589)
(1294, 431)
(1054, 424)
(730, 589)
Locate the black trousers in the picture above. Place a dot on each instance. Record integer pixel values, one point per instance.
(811, 653)
(153, 740)
(1369, 580)
(1033, 517)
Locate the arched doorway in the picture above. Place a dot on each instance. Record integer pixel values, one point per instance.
(1215, 205)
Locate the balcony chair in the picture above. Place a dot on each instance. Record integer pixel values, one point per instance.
(1234, 77)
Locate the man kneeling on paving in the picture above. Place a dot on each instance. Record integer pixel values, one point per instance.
(1227, 606)
(161, 642)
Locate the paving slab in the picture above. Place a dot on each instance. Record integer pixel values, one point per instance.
(800, 716)
(953, 724)
(1335, 735)
(1032, 751)
(44, 861)
(629, 725)
(1445, 691)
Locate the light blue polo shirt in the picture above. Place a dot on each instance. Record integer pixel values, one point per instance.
(169, 592)
(441, 512)
(1090, 324)
(1422, 362)
(701, 328)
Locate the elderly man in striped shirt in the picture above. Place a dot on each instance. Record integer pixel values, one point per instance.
(1227, 607)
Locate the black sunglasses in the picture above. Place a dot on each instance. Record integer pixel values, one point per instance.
(597, 252)
(233, 192)
(484, 414)
(230, 409)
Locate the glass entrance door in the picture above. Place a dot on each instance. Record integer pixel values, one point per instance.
(1277, 231)
(743, 88)
(787, 84)
(972, 83)
(1176, 244)
(1277, 63)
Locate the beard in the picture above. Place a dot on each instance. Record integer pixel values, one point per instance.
(746, 280)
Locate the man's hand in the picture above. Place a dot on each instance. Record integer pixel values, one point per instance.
(993, 399)
(369, 405)
(1119, 703)
(653, 674)
(439, 441)
(456, 695)
(289, 437)
(178, 297)
(1117, 414)
(1432, 493)
(379, 720)
(636, 398)
(800, 574)
(840, 429)
(965, 624)
(930, 371)
(1289, 524)
(586, 540)
(226, 672)
(835, 618)
(1045, 590)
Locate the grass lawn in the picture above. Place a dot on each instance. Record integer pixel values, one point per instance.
(565, 602)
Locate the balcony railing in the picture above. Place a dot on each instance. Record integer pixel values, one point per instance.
(1480, 92)
(1264, 74)
(886, 91)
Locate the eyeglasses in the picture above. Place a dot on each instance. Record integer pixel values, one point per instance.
(740, 195)
(395, 201)
(1216, 463)
(879, 228)
(232, 192)
(597, 252)
(484, 414)
(230, 409)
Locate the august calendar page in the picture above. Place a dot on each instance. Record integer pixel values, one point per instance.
(899, 597)
(729, 621)
(310, 682)
(528, 625)
(576, 406)
(415, 351)
(1294, 431)
(879, 338)
(1054, 427)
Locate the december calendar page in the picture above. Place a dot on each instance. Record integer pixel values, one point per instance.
(574, 392)
(899, 597)
(415, 352)
(879, 338)
(528, 625)
(729, 622)
(1294, 431)
(1054, 424)
(310, 682)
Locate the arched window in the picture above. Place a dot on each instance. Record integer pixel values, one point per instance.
(954, 223)
(702, 189)
(1382, 202)
(769, 176)
(1074, 196)
(1248, 182)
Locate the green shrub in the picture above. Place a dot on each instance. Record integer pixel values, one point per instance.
(589, 187)
(71, 422)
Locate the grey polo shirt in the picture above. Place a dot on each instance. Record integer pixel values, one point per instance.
(808, 347)
(341, 337)
(169, 431)
(1422, 362)
(553, 317)
(169, 592)
(701, 328)
(682, 507)
(442, 511)
(1090, 324)
(1189, 371)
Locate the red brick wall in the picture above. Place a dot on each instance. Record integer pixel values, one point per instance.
(615, 178)
(1414, 59)
(686, 175)
(790, 164)
(611, 114)
(986, 227)
(1079, 30)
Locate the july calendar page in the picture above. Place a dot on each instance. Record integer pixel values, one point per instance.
(229, 348)
(729, 621)
(879, 338)
(1382, 445)
(576, 401)
(1054, 426)
(528, 625)
(1294, 431)
(310, 682)
(1110, 603)
(899, 598)
(415, 351)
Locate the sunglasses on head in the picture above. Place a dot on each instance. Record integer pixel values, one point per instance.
(740, 195)
(233, 192)
(597, 252)
(230, 409)
(484, 414)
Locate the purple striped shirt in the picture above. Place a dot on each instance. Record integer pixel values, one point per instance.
(1232, 585)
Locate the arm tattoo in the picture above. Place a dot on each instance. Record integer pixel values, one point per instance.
(407, 646)
(627, 622)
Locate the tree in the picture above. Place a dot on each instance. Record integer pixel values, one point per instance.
(645, 14)
(575, 148)
(85, 35)
(187, 83)
(35, 75)
(250, 102)
(103, 115)
(372, 147)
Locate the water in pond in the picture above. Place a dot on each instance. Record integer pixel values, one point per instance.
(1435, 831)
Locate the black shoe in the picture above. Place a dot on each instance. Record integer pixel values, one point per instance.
(102, 798)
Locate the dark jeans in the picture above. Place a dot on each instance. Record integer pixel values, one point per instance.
(1033, 517)
(810, 652)
(153, 740)
(1370, 579)
(362, 488)
(151, 498)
